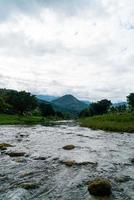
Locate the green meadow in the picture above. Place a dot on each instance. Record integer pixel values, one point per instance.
(116, 122)
(28, 120)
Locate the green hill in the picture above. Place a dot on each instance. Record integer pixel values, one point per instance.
(69, 105)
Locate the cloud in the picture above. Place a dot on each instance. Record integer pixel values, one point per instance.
(56, 47)
(33, 8)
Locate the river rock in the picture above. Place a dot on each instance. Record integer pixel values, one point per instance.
(86, 163)
(20, 160)
(29, 186)
(3, 146)
(22, 135)
(40, 158)
(15, 154)
(69, 163)
(131, 160)
(69, 147)
(100, 187)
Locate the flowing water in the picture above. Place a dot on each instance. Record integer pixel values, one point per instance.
(42, 166)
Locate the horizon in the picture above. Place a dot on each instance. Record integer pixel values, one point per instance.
(78, 47)
(78, 97)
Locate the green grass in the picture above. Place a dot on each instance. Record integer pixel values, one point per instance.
(116, 122)
(29, 120)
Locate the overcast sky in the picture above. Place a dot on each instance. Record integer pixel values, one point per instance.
(56, 47)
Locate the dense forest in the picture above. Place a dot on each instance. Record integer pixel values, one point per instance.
(24, 103)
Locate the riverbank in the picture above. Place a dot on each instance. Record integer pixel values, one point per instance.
(16, 120)
(119, 122)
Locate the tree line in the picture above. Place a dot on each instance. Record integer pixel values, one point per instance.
(104, 106)
(21, 103)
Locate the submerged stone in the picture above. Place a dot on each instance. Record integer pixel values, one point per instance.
(100, 187)
(3, 148)
(69, 147)
(40, 158)
(20, 160)
(24, 174)
(86, 163)
(69, 163)
(15, 154)
(131, 160)
(122, 179)
(29, 186)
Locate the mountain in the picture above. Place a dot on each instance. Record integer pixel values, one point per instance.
(69, 105)
(86, 102)
(48, 98)
(43, 101)
(120, 104)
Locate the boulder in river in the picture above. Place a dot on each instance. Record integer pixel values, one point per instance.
(15, 154)
(69, 147)
(100, 187)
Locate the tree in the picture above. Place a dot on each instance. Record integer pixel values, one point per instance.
(104, 105)
(121, 108)
(60, 114)
(96, 108)
(21, 101)
(46, 109)
(100, 107)
(113, 109)
(3, 105)
(130, 101)
(86, 113)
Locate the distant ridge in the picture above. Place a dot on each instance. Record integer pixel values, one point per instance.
(48, 98)
(120, 104)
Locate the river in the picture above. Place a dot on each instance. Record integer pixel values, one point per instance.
(42, 164)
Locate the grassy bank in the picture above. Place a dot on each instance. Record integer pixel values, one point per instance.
(15, 119)
(119, 122)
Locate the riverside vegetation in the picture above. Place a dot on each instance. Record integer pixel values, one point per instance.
(20, 107)
(6, 119)
(105, 116)
(117, 122)
(24, 108)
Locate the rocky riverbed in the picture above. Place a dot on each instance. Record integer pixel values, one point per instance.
(37, 164)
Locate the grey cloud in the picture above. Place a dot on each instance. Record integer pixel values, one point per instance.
(10, 8)
(88, 57)
(75, 6)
